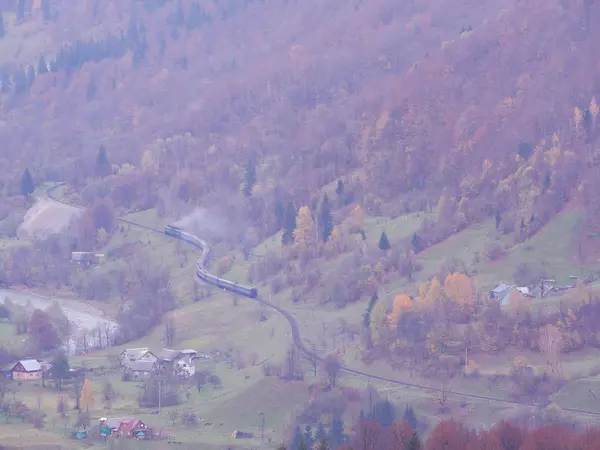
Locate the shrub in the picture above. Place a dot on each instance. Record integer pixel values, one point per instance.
(494, 250)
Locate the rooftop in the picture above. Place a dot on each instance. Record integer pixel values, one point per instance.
(31, 365)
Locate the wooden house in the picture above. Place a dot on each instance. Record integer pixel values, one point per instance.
(27, 369)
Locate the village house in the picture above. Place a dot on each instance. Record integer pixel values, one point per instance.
(141, 361)
(181, 362)
(124, 427)
(129, 356)
(27, 369)
(86, 259)
(142, 369)
(501, 293)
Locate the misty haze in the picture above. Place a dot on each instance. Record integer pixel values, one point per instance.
(300, 224)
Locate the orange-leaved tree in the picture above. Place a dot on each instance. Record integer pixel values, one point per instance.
(458, 287)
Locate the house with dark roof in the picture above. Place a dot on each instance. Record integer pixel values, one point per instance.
(131, 355)
(124, 427)
(142, 369)
(27, 369)
(181, 362)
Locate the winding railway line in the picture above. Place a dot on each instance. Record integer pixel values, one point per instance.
(295, 329)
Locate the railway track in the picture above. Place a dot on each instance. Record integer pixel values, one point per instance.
(309, 354)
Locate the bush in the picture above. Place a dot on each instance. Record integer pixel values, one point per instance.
(494, 250)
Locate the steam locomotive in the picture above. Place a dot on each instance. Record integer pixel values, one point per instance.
(201, 272)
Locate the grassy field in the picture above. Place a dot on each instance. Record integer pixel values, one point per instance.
(232, 326)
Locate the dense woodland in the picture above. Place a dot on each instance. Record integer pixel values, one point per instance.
(400, 99)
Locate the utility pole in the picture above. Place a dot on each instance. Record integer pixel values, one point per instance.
(159, 393)
(262, 430)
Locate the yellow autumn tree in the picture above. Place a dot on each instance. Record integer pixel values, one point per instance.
(433, 295)
(578, 116)
(86, 399)
(357, 220)
(378, 320)
(402, 303)
(458, 288)
(517, 303)
(304, 234)
(335, 241)
(148, 163)
(594, 110)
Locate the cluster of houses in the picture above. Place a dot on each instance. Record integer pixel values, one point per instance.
(502, 292)
(141, 362)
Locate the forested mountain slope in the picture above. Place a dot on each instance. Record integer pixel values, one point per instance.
(389, 95)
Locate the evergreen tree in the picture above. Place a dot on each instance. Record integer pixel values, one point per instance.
(20, 9)
(384, 243)
(279, 214)
(320, 434)
(249, 178)
(297, 439)
(289, 225)
(27, 186)
(339, 189)
(414, 443)
(46, 10)
(2, 29)
(103, 167)
(6, 84)
(410, 418)
(498, 218)
(20, 81)
(384, 413)
(308, 436)
(325, 219)
(336, 435)
(417, 243)
(42, 65)
(30, 76)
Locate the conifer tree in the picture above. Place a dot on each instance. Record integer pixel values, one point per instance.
(2, 28)
(289, 225)
(6, 84)
(410, 418)
(325, 218)
(384, 243)
(103, 167)
(46, 10)
(20, 9)
(42, 65)
(27, 186)
(320, 434)
(417, 243)
(297, 439)
(30, 76)
(308, 436)
(336, 435)
(20, 81)
(249, 178)
(384, 413)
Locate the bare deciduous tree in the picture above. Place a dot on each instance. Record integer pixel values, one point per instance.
(551, 345)
(332, 367)
(169, 324)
